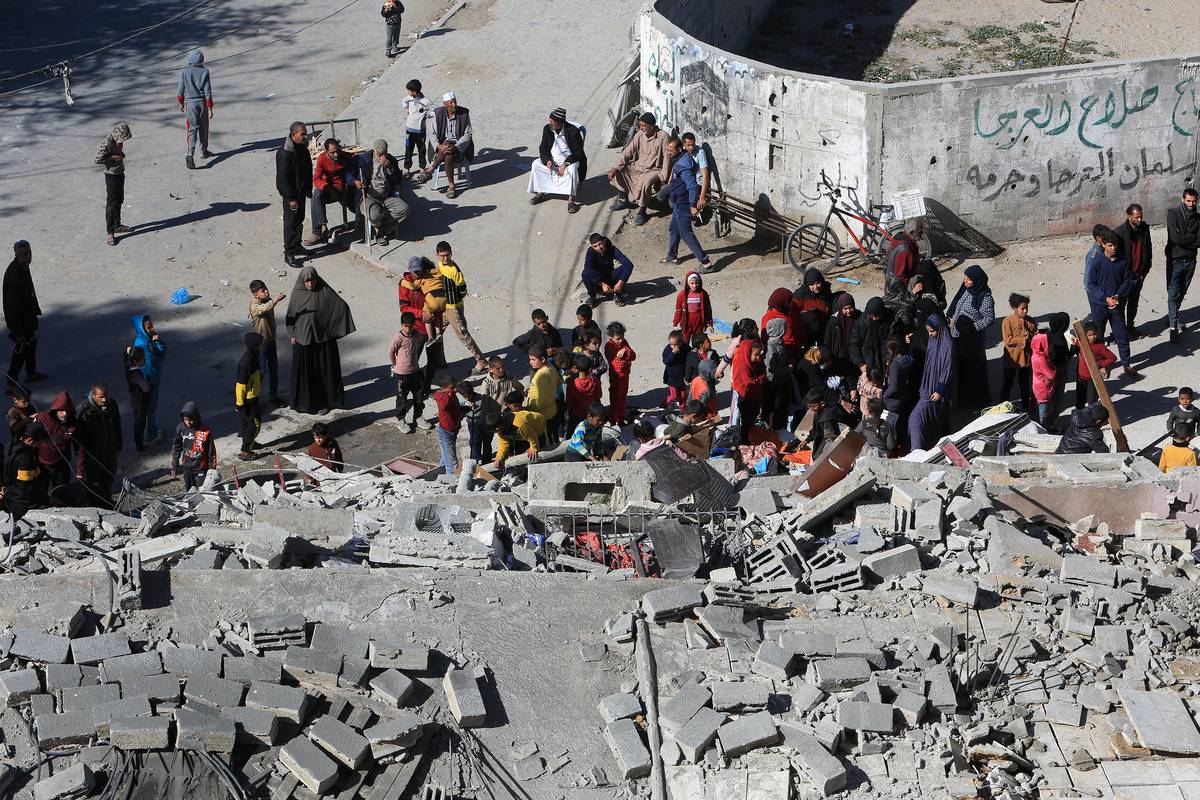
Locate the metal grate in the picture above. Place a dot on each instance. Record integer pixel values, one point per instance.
(653, 544)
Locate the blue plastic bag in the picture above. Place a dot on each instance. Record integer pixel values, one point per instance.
(721, 326)
(181, 296)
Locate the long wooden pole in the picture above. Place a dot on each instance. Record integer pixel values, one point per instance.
(1085, 353)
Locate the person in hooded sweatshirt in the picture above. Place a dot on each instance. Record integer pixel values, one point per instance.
(194, 96)
(317, 317)
(1085, 433)
(779, 306)
(111, 156)
(193, 450)
(1059, 353)
(24, 478)
(868, 338)
(928, 420)
(55, 451)
(778, 397)
(971, 313)
(146, 337)
(693, 308)
(246, 392)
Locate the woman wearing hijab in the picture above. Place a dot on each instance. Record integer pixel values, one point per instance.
(812, 303)
(837, 335)
(927, 283)
(971, 313)
(316, 318)
(928, 420)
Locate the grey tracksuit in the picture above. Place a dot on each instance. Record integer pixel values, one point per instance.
(195, 94)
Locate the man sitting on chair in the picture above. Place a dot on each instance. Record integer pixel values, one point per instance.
(376, 174)
(452, 132)
(561, 164)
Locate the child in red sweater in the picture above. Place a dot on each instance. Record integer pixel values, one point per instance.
(450, 415)
(583, 389)
(1085, 387)
(620, 357)
(693, 309)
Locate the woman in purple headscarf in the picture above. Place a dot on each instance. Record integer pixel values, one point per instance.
(928, 420)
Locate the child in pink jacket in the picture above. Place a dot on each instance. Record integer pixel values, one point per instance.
(1043, 376)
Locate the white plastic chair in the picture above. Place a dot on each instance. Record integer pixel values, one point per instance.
(462, 175)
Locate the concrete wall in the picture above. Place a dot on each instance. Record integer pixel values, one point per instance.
(1012, 155)
(771, 131)
(1040, 152)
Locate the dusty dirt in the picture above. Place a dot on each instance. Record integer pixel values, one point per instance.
(899, 40)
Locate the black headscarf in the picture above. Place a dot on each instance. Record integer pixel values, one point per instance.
(977, 290)
(319, 314)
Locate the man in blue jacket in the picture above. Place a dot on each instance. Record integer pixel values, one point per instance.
(377, 174)
(1109, 282)
(685, 193)
(146, 337)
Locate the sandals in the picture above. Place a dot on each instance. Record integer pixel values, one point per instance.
(112, 240)
(121, 229)
(451, 193)
(572, 207)
(669, 260)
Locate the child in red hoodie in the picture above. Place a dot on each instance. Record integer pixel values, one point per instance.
(583, 389)
(749, 377)
(1085, 387)
(693, 310)
(620, 357)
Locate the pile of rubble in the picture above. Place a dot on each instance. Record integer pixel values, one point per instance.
(314, 710)
(1019, 628)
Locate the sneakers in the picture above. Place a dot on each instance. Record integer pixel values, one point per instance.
(291, 261)
(426, 425)
(622, 205)
(620, 300)
(206, 154)
(1174, 336)
(641, 218)
(480, 368)
(538, 197)
(191, 162)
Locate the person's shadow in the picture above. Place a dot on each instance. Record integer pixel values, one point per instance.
(247, 147)
(214, 210)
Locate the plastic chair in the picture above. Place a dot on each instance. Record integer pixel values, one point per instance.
(462, 172)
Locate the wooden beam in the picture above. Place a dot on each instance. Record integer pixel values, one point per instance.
(1085, 353)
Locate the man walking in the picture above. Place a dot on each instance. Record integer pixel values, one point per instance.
(293, 180)
(111, 156)
(1183, 239)
(685, 193)
(21, 312)
(98, 434)
(195, 100)
(1138, 251)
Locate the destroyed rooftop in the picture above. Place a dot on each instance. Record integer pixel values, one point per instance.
(1020, 628)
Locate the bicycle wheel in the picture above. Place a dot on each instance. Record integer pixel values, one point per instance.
(926, 245)
(813, 242)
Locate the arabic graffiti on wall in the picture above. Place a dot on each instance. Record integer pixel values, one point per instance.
(1060, 179)
(1053, 115)
(661, 64)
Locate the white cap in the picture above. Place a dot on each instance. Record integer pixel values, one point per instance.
(449, 96)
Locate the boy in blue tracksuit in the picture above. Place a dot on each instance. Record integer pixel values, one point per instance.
(685, 193)
(146, 337)
(1108, 284)
(194, 95)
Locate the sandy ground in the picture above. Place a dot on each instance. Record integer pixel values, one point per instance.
(913, 39)
(220, 224)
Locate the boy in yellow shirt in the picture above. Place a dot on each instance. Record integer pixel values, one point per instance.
(1179, 452)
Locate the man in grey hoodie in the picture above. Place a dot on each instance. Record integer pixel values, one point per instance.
(194, 96)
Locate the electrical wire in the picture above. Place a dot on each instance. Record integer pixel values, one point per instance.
(122, 40)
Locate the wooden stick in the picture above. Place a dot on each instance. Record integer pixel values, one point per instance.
(1085, 353)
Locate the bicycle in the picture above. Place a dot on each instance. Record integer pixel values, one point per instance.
(823, 243)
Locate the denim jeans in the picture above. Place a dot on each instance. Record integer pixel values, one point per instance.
(1102, 316)
(681, 229)
(446, 441)
(392, 43)
(1179, 278)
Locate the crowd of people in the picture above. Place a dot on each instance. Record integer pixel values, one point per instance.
(812, 366)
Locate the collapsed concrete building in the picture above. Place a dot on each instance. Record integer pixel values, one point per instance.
(1020, 627)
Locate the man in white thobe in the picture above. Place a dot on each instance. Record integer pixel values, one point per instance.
(561, 164)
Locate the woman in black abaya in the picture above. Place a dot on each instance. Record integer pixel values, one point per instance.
(316, 318)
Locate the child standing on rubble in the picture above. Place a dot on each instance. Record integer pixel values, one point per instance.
(583, 390)
(193, 452)
(450, 415)
(674, 358)
(1018, 330)
(1044, 375)
(620, 356)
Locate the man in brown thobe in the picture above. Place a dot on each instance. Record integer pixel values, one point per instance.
(642, 168)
